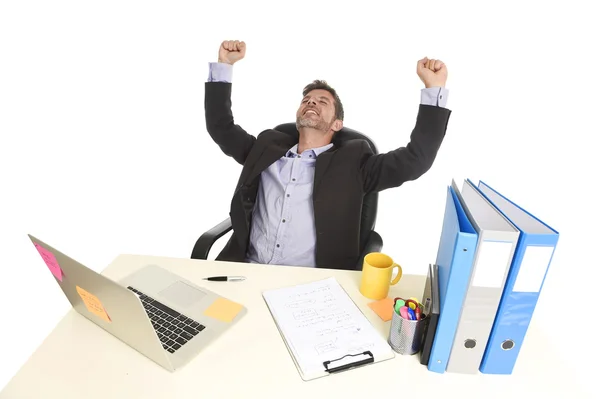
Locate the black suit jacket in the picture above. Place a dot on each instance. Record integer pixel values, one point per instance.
(343, 175)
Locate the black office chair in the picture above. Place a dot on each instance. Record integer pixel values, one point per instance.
(370, 240)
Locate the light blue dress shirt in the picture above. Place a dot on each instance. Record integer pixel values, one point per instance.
(283, 227)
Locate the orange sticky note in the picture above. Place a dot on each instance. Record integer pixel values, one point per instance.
(223, 309)
(93, 304)
(384, 308)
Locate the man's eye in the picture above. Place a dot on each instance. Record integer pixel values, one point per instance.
(323, 102)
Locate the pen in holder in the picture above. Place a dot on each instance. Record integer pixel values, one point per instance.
(406, 335)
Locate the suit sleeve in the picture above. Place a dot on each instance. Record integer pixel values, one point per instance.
(382, 171)
(233, 140)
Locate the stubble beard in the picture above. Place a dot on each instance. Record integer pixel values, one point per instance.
(319, 124)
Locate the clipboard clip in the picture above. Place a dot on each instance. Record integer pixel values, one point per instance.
(348, 366)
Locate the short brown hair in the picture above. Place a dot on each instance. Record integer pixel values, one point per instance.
(322, 85)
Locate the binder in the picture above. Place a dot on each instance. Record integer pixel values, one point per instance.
(531, 262)
(455, 256)
(497, 240)
(323, 329)
(431, 304)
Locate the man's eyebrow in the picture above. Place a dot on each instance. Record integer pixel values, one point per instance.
(321, 98)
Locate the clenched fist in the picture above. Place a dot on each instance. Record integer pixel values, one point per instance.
(231, 51)
(432, 72)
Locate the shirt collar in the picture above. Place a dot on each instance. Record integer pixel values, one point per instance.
(311, 153)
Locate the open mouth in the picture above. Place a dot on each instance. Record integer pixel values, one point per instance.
(311, 111)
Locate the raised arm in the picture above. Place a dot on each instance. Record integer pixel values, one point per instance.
(233, 140)
(392, 169)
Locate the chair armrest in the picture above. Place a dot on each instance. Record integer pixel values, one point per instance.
(374, 244)
(206, 240)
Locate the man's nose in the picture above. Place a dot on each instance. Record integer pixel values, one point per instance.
(311, 101)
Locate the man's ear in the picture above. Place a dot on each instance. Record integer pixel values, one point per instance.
(337, 125)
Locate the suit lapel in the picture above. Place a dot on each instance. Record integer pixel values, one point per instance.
(270, 154)
(321, 166)
(278, 148)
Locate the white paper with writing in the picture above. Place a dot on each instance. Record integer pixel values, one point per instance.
(320, 322)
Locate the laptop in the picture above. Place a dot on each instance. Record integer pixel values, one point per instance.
(161, 315)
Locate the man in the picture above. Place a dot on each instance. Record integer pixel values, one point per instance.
(298, 200)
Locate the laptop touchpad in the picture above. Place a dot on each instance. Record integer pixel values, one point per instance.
(182, 294)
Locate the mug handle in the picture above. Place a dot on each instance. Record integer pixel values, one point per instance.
(398, 276)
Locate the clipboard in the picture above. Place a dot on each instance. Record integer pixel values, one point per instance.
(323, 329)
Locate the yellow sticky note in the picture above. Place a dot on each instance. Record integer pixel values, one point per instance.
(383, 308)
(93, 304)
(223, 309)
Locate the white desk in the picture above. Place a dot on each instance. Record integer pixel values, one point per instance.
(79, 360)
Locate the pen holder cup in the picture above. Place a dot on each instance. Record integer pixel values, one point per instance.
(406, 336)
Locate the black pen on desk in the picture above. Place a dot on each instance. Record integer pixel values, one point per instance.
(225, 278)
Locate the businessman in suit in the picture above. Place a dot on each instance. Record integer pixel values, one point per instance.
(298, 201)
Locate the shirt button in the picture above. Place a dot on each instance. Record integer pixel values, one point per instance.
(283, 220)
(277, 245)
(288, 195)
(293, 179)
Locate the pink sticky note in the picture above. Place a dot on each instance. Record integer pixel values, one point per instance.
(51, 261)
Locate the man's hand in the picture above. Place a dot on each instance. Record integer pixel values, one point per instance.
(231, 51)
(432, 72)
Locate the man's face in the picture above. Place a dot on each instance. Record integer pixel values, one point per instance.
(317, 111)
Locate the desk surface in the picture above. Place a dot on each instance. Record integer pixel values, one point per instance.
(80, 360)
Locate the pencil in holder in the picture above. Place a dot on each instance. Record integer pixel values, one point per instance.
(406, 336)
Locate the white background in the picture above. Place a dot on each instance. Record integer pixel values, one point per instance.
(104, 150)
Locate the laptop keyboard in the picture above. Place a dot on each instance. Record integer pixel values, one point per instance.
(173, 328)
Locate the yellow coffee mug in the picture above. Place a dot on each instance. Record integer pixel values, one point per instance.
(377, 275)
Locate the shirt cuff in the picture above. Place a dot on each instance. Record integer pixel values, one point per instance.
(220, 72)
(434, 96)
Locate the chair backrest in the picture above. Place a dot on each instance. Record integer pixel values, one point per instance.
(369, 208)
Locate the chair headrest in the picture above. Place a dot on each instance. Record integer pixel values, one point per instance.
(339, 138)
